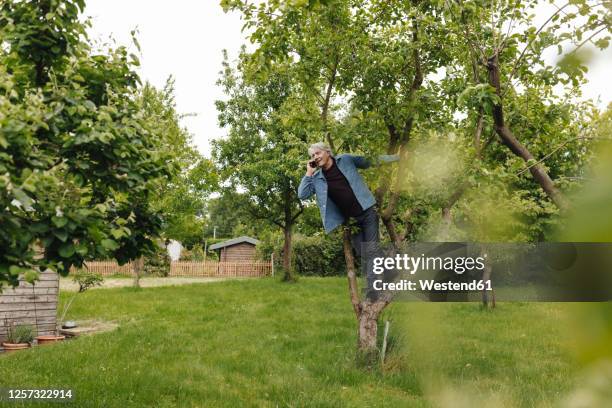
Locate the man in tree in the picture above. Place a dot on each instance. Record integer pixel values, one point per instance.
(342, 194)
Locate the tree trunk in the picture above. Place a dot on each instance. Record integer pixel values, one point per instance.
(137, 270)
(366, 312)
(350, 271)
(367, 340)
(287, 250)
(368, 329)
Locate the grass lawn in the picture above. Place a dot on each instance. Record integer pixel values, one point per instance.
(264, 343)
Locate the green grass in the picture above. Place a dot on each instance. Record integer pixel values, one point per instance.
(264, 343)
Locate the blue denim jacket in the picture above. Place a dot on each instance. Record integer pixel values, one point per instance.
(348, 165)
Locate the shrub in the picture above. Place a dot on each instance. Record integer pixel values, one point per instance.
(319, 256)
(158, 263)
(196, 253)
(270, 242)
(87, 279)
(23, 333)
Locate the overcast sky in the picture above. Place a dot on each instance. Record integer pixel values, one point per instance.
(185, 38)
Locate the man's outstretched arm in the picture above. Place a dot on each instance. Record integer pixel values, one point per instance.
(363, 162)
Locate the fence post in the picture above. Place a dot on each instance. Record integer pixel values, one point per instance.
(272, 263)
(384, 345)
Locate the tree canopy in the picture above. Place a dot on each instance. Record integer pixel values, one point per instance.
(268, 121)
(78, 158)
(181, 199)
(490, 135)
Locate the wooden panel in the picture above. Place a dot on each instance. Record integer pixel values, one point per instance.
(30, 292)
(14, 314)
(8, 307)
(47, 276)
(31, 304)
(29, 288)
(31, 320)
(29, 298)
(240, 252)
(40, 284)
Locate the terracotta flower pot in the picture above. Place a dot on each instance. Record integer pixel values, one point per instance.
(15, 346)
(49, 339)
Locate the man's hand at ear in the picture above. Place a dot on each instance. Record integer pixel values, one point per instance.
(309, 169)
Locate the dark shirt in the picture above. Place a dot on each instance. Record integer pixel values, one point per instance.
(340, 192)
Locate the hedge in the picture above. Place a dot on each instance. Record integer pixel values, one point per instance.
(319, 256)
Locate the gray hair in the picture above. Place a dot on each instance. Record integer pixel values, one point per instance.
(319, 146)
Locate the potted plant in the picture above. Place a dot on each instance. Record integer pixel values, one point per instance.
(19, 337)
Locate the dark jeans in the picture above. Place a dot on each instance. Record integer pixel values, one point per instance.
(366, 242)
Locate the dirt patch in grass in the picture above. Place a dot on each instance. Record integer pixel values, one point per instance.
(85, 327)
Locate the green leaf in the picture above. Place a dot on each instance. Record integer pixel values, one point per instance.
(62, 235)
(15, 270)
(59, 221)
(66, 250)
(117, 233)
(89, 105)
(47, 241)
(602, 43)
(39, 227)
(30, 275)
(135, 60)
(109, 244)
(22, 197)
(81, 249)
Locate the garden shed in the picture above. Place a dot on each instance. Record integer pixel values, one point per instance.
(241, 249)
(34, 305)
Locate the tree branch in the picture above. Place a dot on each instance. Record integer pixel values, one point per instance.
(387, 213)
(260, 216)
(293, 218)
(326, 102)
(588, 39)
(350, 271)
(539, 174)
(553, 152)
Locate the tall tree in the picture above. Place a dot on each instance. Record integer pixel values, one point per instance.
(367, 50)
(268, 122)
(227, 216)
(180, 199)
(407, 74)
(77, 159)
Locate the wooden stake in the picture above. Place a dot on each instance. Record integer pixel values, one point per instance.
(384, 345)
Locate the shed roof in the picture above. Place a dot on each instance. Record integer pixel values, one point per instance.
(234, 241)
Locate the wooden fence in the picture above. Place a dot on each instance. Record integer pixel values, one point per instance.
(107, 268)
(209, 269)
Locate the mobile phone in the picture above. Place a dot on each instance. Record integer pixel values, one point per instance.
(312, 164)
